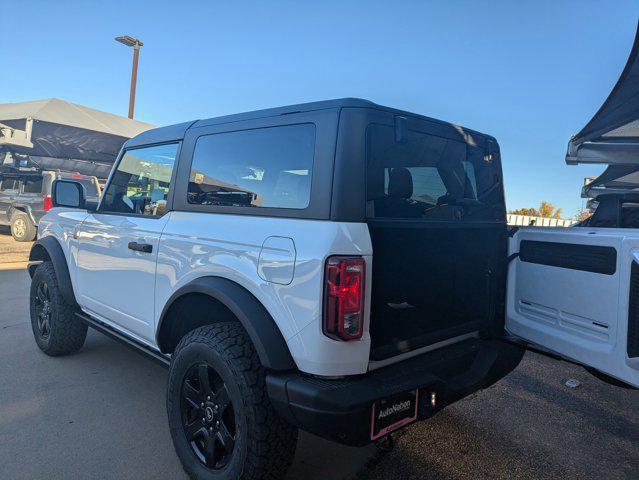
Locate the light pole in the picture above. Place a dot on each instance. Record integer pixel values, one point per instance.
(136, 44)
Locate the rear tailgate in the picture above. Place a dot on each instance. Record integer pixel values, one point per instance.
(436, 217)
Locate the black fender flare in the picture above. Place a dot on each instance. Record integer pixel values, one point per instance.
(24, 208)
(48, 248)
(256, 320)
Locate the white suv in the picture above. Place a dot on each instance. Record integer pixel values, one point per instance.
(338, 267)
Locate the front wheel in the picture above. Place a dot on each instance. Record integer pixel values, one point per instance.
(221, 420)
(56, 328)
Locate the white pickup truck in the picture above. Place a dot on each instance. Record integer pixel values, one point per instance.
(340, 267)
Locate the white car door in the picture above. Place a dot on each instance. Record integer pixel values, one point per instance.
(118, 244)
(575, 292)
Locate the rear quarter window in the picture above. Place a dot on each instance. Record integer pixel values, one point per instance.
(265, 167)
(32, 185)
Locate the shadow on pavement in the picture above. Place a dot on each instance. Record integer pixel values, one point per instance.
(100, 413)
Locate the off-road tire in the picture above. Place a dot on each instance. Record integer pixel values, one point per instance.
(265, 444)
(22, 228)
(66, 332)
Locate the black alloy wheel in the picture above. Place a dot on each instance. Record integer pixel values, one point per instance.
(208, 417)
(56, 328)
(222, 423)
(42, 303)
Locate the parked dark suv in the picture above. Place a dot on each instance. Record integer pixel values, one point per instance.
(25, 196)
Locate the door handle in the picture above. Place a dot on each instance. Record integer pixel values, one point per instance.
(141, 247)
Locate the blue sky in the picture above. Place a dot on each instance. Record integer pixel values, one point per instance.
(529, 73)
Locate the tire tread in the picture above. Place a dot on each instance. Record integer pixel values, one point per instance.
(31, 232)
(271, 452)
(67, 331)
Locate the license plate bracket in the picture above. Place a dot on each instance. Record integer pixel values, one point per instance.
(391, 413)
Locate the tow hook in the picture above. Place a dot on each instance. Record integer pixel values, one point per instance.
(385, 444)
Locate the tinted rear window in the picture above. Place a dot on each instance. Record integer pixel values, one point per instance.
(267, 167)
(427, 176)
(32, 185)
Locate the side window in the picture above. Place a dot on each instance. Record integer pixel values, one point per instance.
(419, 177)
(141, 181)
(267, 167)
(9, 185)
(32, 185)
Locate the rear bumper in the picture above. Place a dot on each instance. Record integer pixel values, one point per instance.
(340, 409)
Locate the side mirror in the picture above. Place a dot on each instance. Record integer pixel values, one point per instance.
(67, 193)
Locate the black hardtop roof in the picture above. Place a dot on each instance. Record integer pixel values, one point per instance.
(177, 132)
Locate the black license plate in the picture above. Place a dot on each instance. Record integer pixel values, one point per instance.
(389, 414)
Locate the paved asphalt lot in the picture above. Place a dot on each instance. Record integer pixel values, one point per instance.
(10, 250)
(100, 414)
(527, 426)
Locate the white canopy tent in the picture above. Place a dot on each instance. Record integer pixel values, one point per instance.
(57, 134)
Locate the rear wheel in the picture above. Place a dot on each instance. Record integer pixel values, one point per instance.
(56, 329)
(22, 228)
(222, 423)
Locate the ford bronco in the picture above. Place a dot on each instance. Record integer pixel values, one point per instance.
(337, 267)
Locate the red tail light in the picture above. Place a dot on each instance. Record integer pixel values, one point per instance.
(47, 203)
(344, 280)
